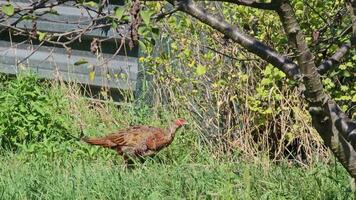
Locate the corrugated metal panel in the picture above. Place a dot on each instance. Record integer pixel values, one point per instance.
(69, 18)
(54, 62)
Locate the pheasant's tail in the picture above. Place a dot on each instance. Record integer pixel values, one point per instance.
(99, 141)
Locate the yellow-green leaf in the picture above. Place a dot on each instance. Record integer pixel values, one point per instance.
(114, 25)
(91, 75)
(90, 4)
(146, 16)
(119, 12)
(41, 35)
(81, 61)
(8, 9)
(142, 45)
(123, 76)
(201, 70)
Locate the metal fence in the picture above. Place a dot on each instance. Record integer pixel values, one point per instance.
(112, 67)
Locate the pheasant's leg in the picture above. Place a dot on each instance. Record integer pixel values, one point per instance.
(129, 163)
(149, 153)
(125, 154)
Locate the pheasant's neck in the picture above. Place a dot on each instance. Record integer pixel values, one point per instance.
(172, 131)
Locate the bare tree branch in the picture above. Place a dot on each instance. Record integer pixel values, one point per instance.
(254, 4)
(332, 124)
(314, 88)
(29, 55)
(162, 14)
(351, 4)
(251, 44)
(334, 60)
(30, 9)
(251, 3)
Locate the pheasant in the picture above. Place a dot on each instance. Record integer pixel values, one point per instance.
(138, 141)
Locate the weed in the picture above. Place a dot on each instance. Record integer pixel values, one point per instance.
(30, 112)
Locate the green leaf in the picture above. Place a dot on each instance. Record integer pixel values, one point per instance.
(41, 35)
(81, 61)
(27, 17)
(31, 117)
(155, 33)
(146, 16)
(343, 67)
(142, 45)
(114, 25)
(144, 31)
(346, 73)
(8, 9)
(344, 88)
(201, 70)
(92, 75)
(123, 76)
(90, 4)
(119, 12)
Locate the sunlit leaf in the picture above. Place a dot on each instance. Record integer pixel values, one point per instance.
(81, 61)
(41, 35)
(142, 45)
(119, 12)
(27, 17)
(201, 70)
(114, 24)
(123, 76)
(8, 9)
(146, 16)
(90, 4)
(92, 75)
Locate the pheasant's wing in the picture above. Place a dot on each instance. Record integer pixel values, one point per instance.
(138, 140)
(138, 135)
(117, 138)
(132, 136)
(157, 140)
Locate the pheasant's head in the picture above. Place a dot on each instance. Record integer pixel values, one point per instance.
(176, 124)
(180, 122)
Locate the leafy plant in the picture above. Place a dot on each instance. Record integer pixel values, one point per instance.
(31, 113)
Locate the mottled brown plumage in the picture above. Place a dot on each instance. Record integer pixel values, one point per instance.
(138, 141)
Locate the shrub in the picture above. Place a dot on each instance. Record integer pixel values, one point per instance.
(30, 112)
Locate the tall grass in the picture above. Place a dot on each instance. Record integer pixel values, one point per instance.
(72, 178)
(192, 167)
(236, 100)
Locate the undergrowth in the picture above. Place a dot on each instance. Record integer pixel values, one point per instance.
(52, 163)
(31, 112)
(65, 177)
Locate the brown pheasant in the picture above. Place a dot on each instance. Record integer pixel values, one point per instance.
(138, 141)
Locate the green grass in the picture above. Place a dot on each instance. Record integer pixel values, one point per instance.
(42, 177)
(50, 164)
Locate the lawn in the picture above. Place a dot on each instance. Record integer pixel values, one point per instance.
(69, 177)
